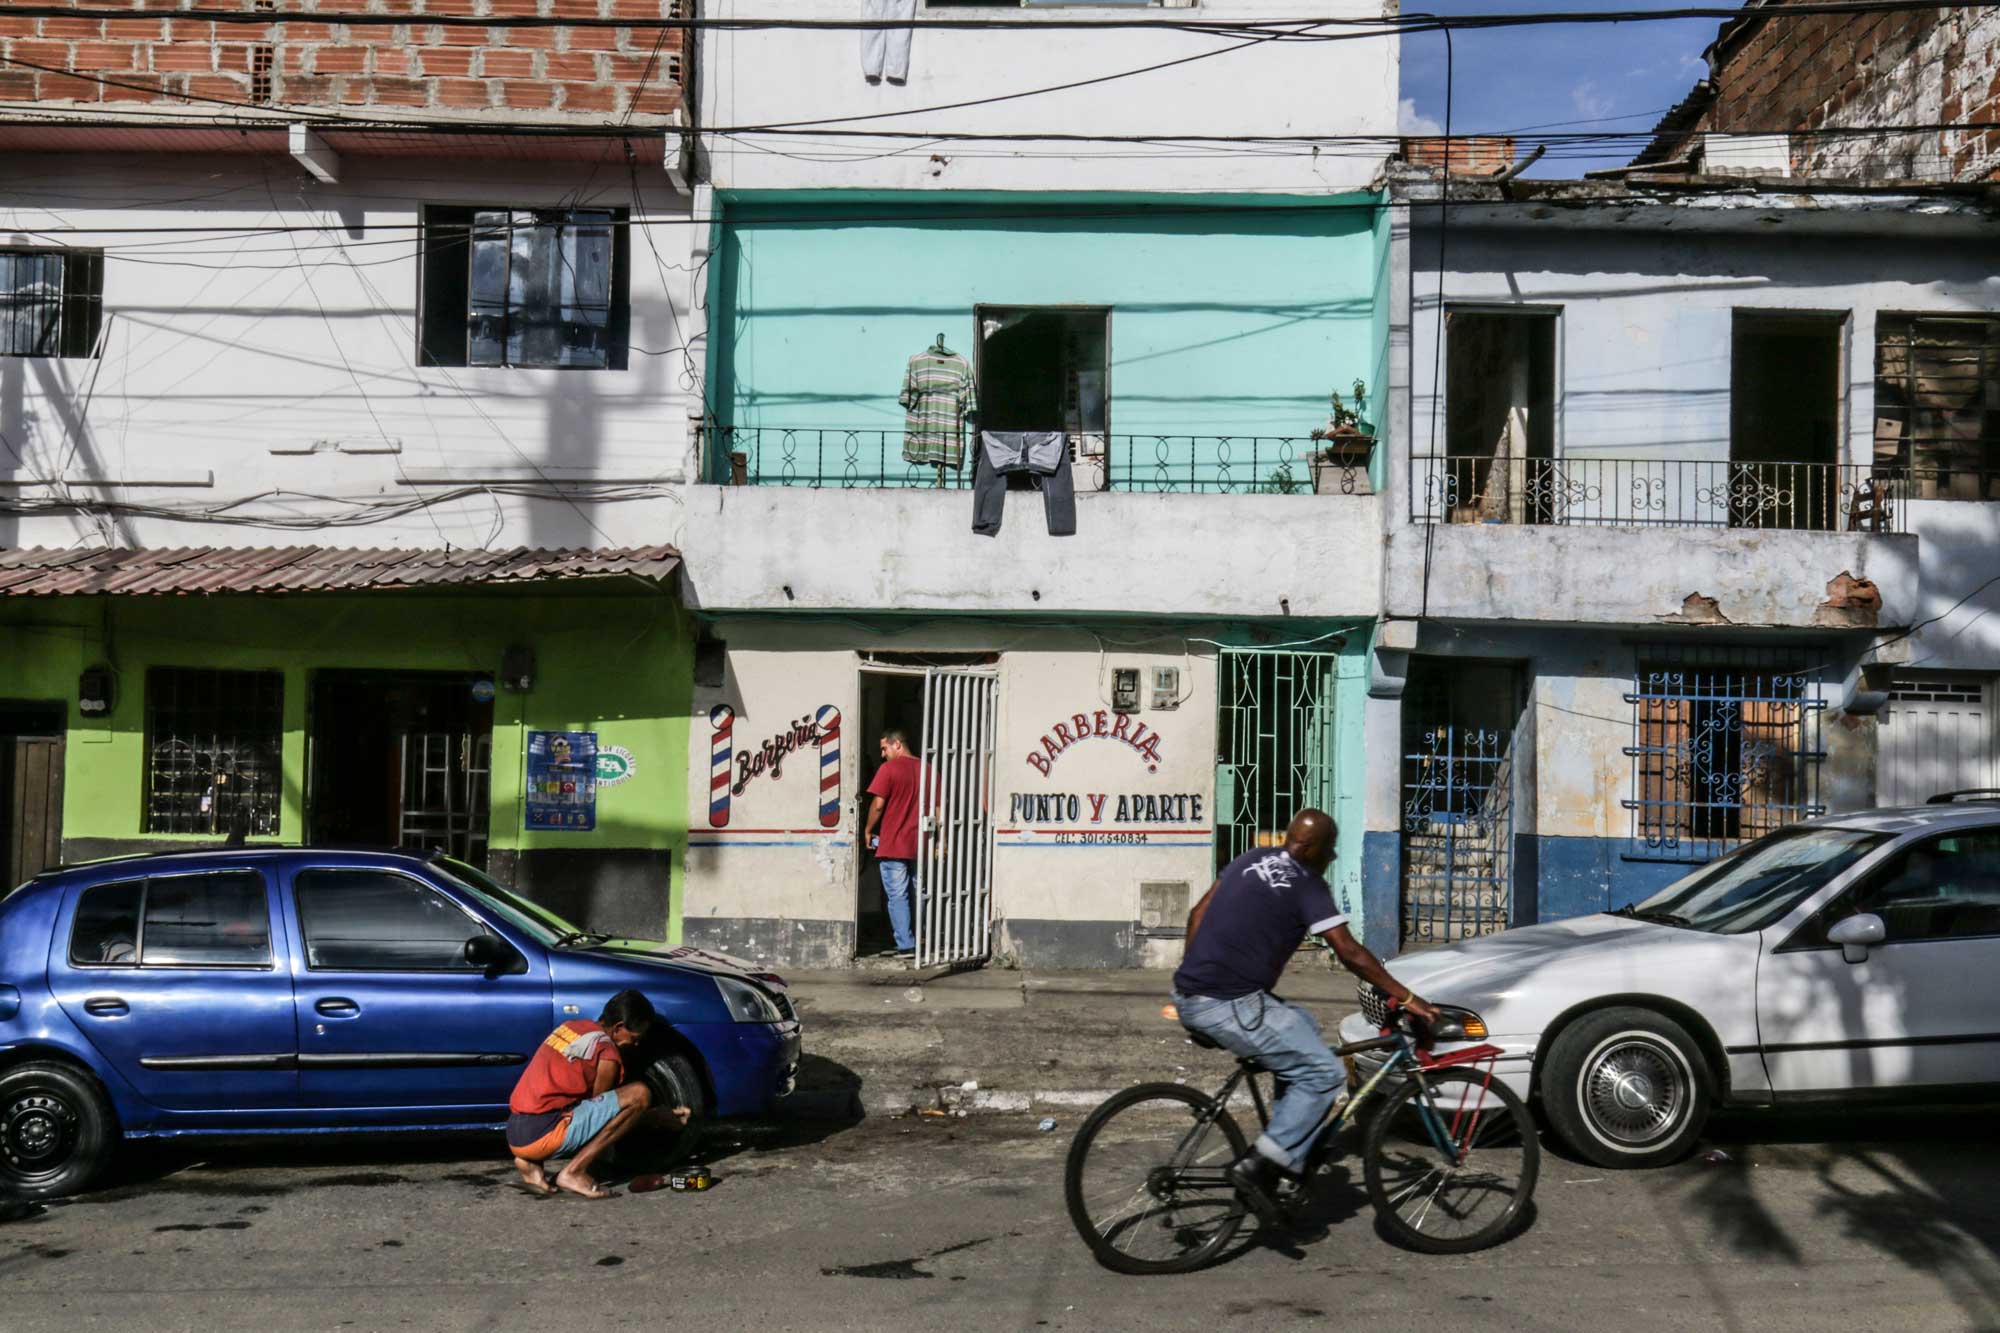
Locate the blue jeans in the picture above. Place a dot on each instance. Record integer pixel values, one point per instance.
(1284, 1039)
(899, 883)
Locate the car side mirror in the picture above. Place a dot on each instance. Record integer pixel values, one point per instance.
(491, 954)
(1856, 935)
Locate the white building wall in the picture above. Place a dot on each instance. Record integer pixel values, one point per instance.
(274, 376)
(772, 882)
(1130, 82)
(1643, 357)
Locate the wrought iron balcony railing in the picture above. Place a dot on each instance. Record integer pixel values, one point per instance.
(1653, 492)
(873, 460)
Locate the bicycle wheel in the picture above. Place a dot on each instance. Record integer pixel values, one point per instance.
(1147, 1183)
(1424, 1199)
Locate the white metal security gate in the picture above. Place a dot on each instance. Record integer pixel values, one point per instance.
(955, 832)
(1936, 736)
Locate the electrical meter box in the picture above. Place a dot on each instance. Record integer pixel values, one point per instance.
(1166, 687)
(1125, 689)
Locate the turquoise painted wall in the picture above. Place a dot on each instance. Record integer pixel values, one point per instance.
(1228, 317)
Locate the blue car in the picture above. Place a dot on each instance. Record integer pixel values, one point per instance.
(245, 991)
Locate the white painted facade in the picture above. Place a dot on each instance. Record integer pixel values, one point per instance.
(273, 375)
(1643, 290)
(767, 879)
(779, 548)
(1128, 81)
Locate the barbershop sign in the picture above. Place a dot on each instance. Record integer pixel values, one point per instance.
(1100, 725)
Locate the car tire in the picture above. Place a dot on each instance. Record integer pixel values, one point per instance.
(674, 1081)
(57, 1130)
(1626, 1087)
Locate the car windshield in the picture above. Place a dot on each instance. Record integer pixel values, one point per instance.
(1756, 885)
(532, 917)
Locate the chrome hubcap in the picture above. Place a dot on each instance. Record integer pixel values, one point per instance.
(1634, 1093)
(37, 1133)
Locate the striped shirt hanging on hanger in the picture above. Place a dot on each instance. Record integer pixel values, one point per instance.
(937, 393)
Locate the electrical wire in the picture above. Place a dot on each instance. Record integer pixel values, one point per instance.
(1219, 27)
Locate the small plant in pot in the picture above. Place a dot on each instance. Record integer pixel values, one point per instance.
(1340, 462)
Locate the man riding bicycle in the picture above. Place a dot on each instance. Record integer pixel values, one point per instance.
(1239, 937)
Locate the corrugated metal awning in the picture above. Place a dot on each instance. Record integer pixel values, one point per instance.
(47, 572)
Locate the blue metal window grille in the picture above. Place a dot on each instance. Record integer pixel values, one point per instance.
(1721, 754)
(1458, 834)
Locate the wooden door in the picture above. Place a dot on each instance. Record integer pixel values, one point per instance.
(35, 819)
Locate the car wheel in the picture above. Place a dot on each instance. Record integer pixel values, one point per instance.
(675, 1082)
(1626, 1087)
(56, 1130)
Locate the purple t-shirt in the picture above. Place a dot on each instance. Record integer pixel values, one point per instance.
(1264, 904)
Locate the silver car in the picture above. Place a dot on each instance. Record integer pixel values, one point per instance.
(1851, 958)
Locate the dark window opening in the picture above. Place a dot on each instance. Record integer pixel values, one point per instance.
(1500, 393)
(213, 750)
(544, 288)
(1784, 420)
(1942, 889)
(51, 302)
(1937, 403)
(1723, 752)
(212, 920)
(105, 931)
(1045, 370)
(376, 921)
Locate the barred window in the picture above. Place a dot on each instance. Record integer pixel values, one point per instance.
(213, 745)
(1723, 752)
(51, 302)
(1937, 403)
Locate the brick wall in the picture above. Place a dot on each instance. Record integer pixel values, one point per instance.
(1470, 155)
(595, 74)
(1829, 71)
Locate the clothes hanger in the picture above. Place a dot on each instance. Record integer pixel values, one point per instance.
(940, 343)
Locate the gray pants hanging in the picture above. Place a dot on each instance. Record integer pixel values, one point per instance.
(989, 495)
(885, 52)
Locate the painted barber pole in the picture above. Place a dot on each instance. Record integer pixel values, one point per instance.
(722, 718)
(828, 718)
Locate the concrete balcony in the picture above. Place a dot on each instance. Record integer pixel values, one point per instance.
(1636, 542)
(1187, 555)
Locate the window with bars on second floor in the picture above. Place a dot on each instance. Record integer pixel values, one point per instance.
(1937, 403)
(51, 302)
(214, 743)
(535, 287)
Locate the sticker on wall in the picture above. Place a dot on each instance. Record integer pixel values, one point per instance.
(482, 691)
(562, 781)
(828, 719)
(722, 720)
(614, 765)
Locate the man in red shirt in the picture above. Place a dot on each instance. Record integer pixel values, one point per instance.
(892, 831)
(573, 1100)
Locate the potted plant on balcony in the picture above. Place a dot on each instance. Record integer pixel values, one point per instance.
(1344, 446)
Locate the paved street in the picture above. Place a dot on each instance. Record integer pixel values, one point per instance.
(939, 1222)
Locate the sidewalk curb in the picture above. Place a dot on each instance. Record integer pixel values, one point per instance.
(951, 1099)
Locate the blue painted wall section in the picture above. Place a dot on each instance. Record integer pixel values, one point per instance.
(1577, 876)
(1382, 891)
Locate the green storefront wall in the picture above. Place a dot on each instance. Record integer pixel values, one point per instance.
(616, 663)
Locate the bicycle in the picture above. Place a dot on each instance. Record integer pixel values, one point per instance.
(1450, 1156)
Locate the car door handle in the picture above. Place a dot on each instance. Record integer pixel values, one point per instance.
(106, 1006)
(333, 1006)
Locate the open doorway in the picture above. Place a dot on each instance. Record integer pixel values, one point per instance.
(1784, 419)
(31, 788)
(400, 759)
(1500, 376)
(890, 700)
